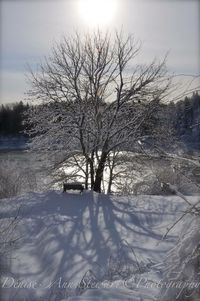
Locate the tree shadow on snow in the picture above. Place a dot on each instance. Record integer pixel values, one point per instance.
(65, 235)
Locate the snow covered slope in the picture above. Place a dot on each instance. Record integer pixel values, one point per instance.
(99, 239)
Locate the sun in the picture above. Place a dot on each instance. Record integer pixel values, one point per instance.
(97, 12)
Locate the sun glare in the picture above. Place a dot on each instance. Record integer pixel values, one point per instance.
(97, 12)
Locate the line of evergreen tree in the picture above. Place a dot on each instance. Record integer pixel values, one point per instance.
(184, 117)
(187, 121)
(11, 118)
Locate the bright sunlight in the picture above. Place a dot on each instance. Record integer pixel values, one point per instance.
(97, 12)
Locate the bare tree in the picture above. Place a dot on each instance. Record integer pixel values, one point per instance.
(93, 100)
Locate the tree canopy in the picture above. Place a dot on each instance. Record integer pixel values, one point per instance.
(94, 99)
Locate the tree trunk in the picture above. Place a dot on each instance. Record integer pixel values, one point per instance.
(111, 165)
(110, 180)
(92, 174)
(86, 175)
(98, 180)
(99, 173)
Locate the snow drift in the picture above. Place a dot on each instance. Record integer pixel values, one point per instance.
(88, 246)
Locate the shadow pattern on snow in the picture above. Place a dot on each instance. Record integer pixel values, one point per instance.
(66, 234)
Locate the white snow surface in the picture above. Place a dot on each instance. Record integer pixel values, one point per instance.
(115, 242)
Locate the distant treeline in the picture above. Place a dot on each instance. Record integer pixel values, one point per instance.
(183, 115)
(11, 118)
(187, 118)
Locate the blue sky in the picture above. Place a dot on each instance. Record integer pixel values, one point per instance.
(29, 29)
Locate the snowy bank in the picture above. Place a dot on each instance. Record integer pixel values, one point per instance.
(69, 242)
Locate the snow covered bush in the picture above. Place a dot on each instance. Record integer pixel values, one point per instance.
(8, 240)
(182, 265)
(15, 179)
(176, 172)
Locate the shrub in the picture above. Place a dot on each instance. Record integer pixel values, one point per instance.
(15, 179)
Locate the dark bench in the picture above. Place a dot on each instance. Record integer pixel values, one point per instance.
(73, 186)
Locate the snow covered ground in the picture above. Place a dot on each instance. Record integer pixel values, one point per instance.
(88, 246)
